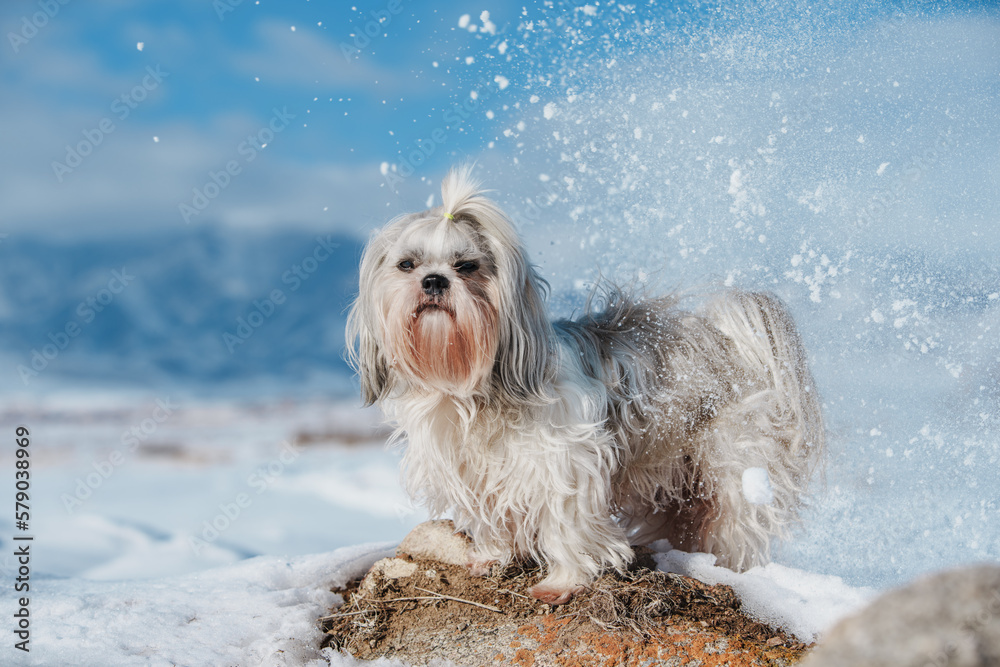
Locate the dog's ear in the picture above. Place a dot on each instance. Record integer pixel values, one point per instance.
(364, 353)
(522, 366)
(373, 373)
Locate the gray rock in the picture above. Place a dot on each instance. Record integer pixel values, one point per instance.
(949, 619)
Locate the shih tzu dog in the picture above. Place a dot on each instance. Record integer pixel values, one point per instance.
(567, 442)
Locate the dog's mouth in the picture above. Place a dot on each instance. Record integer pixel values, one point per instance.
(432, 306)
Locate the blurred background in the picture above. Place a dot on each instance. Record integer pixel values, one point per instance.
(186, 188)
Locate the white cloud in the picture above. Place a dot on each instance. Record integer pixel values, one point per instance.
(308, 57)
(131, 183)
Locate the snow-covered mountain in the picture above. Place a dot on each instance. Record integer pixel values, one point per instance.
(204, 308)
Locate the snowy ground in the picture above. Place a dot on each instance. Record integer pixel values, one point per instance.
(140, 553)
(263, 611)
(210, 485)
(124, 572)
(155, 559)
(259, 612)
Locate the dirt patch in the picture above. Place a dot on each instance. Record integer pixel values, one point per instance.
(418, 609)
(342, 436)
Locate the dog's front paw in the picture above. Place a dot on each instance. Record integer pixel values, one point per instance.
(560, 586)
(554, 594)
(480, 566)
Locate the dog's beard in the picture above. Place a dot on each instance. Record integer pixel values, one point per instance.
(447, 342)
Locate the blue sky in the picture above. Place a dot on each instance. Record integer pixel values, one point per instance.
(226, 66)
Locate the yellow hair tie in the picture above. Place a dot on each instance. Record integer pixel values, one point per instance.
(449, 216)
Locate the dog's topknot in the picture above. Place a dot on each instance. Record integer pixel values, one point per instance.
(464, 199)
(459, 189)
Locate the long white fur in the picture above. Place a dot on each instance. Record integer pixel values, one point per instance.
(566, 442)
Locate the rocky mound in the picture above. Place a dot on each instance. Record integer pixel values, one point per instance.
(423, 605)
(947, 619)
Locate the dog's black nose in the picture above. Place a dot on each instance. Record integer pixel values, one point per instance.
(435, 284)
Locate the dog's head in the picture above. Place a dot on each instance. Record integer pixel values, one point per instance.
(447, 302)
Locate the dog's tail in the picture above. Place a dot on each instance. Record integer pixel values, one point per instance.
(775, 424)
(768, 345)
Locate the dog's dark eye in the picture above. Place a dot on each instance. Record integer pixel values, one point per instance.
(466, 267)
(405, 265)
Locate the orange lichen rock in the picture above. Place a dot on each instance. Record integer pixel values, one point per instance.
(418, 610)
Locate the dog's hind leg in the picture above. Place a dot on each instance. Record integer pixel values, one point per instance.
(774, 423)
